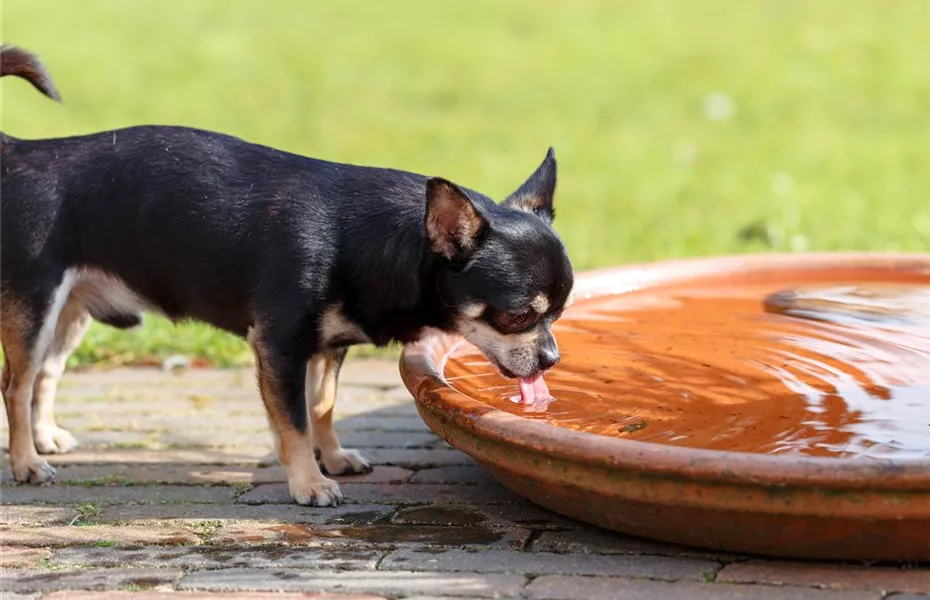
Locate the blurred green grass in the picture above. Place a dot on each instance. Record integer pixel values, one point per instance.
(682, 127)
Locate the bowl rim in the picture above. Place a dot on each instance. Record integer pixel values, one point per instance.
(421, 372)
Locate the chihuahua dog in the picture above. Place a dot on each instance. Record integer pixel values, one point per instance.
(301, 257)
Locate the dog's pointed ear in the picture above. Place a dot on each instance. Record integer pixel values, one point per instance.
(453, 223)
(537, 193)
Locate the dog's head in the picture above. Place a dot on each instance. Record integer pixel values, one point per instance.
(506, 275)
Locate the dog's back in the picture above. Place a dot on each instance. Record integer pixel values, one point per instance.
(189, 220)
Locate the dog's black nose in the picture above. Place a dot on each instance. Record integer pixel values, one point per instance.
(548, 357)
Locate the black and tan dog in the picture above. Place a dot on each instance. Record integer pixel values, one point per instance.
(301, 257)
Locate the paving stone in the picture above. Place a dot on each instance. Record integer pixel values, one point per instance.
(96, 439)
(522, 513)
(191, 438)
(156, 377)
(188, 403)
(390, 584)
(375, 534)
(15, 596)
(367, 372)
(442, 598)
(141, 494)
(502, 561)
(437, 514)
(561, 587)
(215, 558)
(352, 401)
(217, 403)
(349, 439)
(418, 459)
(265, 514)
(155, 595)
(462, 474)
(240, 455)
(11, 514)
(372, 422)
(27, 581)
(450, 530)
(403, 440)
(888, 579)
(277, 493)
(210, 425)
(194, 474)
(20, 556)
(90, 534)
(598, 541)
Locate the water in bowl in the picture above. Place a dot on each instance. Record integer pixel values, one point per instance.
(835, 368)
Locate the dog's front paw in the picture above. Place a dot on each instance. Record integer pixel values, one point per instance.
(52, 439)
(318, 492)
(344, 462)
(32, 470)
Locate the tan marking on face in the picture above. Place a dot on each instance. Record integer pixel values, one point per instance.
(517, 352)
(473, 311)
(540, 304)
(571, 298)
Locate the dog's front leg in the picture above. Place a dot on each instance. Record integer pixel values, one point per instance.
(281, 378)
(322, 378)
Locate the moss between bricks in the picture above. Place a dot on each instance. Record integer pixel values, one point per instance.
(86, 511)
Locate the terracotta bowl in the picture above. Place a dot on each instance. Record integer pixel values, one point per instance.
(769, 504)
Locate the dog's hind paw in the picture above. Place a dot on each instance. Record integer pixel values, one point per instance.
(345, 462)
(52, 439)
(34, 471)
(320, 492)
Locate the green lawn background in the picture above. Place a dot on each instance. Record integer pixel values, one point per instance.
(682, 127)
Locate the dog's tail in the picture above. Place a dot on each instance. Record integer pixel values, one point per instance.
(20, 63)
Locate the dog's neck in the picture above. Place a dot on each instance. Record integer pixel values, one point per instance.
(392, 288)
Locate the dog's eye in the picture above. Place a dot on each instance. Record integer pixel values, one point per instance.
(521, 318)
(516, 321)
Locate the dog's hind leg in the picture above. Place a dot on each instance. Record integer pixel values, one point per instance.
(73, 322)
(281, 379)
(27, 327)
(322, 379)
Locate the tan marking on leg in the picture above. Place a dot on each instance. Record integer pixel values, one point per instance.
(5, 381)
(73, 322)
(24, 348)
(306, 483)
(24, 460)
(322, 376)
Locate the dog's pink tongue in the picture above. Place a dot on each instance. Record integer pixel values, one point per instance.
(533, 389)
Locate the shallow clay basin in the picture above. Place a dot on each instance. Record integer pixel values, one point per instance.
(775, 404)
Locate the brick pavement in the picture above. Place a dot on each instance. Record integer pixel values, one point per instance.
(173, 495)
